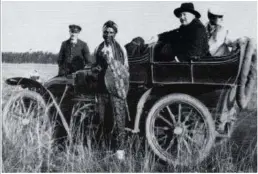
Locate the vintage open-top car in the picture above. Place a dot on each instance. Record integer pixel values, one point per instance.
(181, 107)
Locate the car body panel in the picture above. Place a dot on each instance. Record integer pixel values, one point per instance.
(207, 70)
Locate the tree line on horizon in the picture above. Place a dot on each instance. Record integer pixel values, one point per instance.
(30, 57)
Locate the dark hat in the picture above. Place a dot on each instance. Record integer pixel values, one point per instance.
(75, 28)
(187, 7)
(110, 24)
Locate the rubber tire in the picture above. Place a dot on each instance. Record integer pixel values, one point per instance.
(196, 104)
(247, 78)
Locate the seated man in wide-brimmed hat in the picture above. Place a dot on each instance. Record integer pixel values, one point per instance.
(189, 41)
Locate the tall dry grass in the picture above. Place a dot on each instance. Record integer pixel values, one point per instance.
(88, 156)
(45, 155)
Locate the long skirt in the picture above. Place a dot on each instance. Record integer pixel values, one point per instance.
(112, 113)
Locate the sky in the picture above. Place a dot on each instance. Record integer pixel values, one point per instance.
(42, 26)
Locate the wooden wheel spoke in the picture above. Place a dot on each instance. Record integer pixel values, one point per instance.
(165, 120)
(190, 139)
(194, 116)
(162, 140)
(38, 107)
(198, 128)
(171, 115)
(17, 107)
(171, 143)
(13, 106)
(163, 137)
(196, 125)
(201, 127)
(193, 142)
(163, 128)
(34, 113)
(188, 116)
(23, 107)
(178, 149)
(187, 147)
(29, 109)
(179, 112)
(159, 133)
(19, 117)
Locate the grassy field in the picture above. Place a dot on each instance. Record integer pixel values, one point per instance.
(238, 154)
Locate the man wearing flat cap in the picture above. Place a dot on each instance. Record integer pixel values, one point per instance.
(190, 40)
(74, 53)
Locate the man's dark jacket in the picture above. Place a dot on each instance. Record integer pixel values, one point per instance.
(187, 41)
(73, 57)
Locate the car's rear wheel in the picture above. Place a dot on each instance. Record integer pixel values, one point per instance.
(180, 130)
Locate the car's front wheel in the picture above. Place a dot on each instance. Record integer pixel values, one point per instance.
(180, 129)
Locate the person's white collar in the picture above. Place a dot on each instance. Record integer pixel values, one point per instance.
(74, 41)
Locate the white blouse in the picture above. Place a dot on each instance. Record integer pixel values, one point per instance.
(217, 40)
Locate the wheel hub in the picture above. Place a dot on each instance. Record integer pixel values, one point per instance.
(25, 121)
(178, 130)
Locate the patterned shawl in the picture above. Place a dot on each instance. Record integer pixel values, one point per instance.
(116, 74)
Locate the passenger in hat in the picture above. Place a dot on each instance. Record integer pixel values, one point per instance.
(189, 41)
(74, 54)
(217, 33)
(109, 54)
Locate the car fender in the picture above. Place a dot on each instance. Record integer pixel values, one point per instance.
(140, 107)
(25, 83)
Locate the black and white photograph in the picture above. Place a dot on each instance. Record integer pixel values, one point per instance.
(129, 86)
